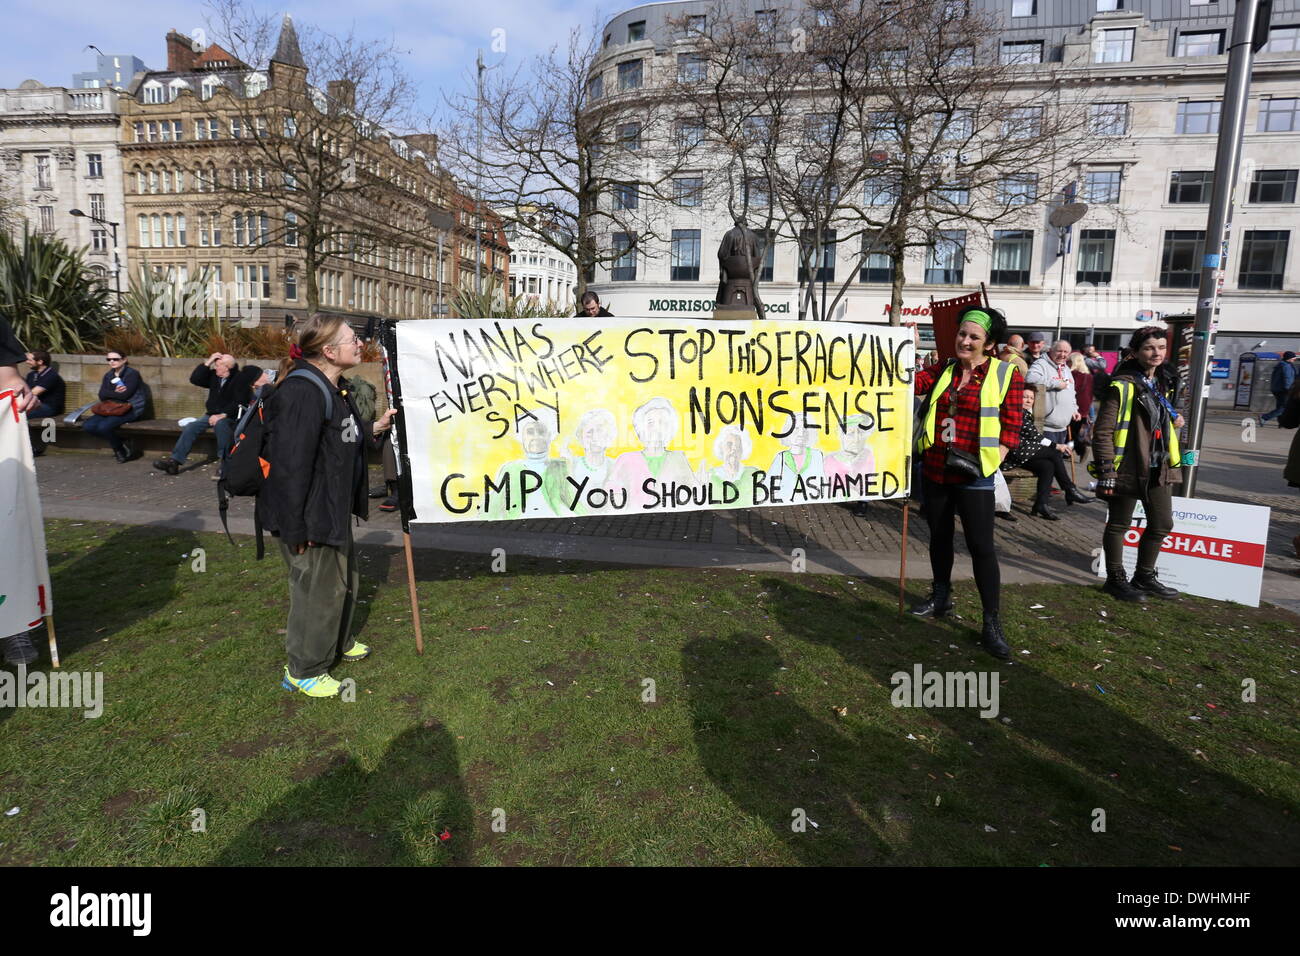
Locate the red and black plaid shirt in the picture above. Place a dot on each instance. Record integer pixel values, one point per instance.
(967, 417)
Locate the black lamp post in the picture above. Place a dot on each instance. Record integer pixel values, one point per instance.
(117, 264)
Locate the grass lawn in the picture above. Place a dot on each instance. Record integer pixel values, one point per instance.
(524, 730)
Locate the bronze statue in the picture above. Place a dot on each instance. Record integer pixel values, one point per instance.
(740, 259)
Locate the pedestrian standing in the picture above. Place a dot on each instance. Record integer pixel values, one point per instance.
(970, 420)
(1283, 377)
(1137, 458)
(315, 485)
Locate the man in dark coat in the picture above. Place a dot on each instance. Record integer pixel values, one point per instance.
(220, 410)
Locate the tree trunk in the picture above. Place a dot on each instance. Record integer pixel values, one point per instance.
(896, 288)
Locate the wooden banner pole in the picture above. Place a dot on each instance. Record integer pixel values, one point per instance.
(902, 555)
(54, 645)
(410, 584)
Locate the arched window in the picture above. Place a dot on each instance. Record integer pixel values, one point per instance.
(174, 88)
(153, 92)
(180, 229)
(169, 234)
(209, 87)
(141, 181)
(255, 84)
(153, 180)
(156, 222)
(142, 224)
(165, 176)
(291, 228)
(178, 179)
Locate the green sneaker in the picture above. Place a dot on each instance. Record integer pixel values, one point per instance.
(357, 652)
(322, 686)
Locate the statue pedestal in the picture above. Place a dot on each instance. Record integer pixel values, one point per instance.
(730, 312)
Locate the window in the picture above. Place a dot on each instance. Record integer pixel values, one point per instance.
(768, 239)
(237, 220)
(766, 20)
(625, 196)
(756, 192)
(180, 229)
(1283, 40)
(1030, 51)
(97, 205)
(291, 228)
(808, 252)
(684, 255)
(1012, 249)
(153, 132)
(254, 85)
(206, 129)
(99, 240)
(178, 130)
(957, 193)
(138, 129)
(1113, 46)
(208, 87)
(629, 135)
(1096, 256)
(291, 287)
(1278, 115)
(636, 31)
(43, 172)
(691, 68)
(881, 191)
(1263, 258)
(893, 59)
(1199, 43)
(1108, 119)
(1019, 189)
(1272, 185)
(155, 221)
(884, 126)
(945, 263)
(960, 124)
(1107, 6)
(95, 165)
(877, 265)
(1190, 186)
(169, 231)
(688, 190)
(1024, 8)
(142, 225)
(624, 269)
(1023, 122)
(1101, 186)
(690, 133)
(1180, 263)
(236, 127)
(1198, 116)
(961, 56)
(629, 75)
(46, 218)
(153, 92)
(596, 87)
(818, 127)
(955, 9)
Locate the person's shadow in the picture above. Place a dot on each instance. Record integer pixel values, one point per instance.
(1067, 751)
(345, 815)
(778, 763)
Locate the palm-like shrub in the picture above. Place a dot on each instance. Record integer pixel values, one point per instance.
(47, 294)
(175, 319)
(493, 303)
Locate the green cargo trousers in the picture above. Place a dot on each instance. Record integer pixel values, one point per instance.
(323, 586)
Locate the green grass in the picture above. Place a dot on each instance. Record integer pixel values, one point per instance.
(529, 700)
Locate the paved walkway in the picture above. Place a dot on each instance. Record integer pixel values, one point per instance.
(91, 486)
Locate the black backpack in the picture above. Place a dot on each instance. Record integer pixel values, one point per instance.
(246, 466)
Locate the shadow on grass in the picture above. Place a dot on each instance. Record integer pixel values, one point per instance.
(345, 814)
(1066, 753)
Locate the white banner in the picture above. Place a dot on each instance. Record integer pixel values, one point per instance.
(24, 573)
(1216, 549)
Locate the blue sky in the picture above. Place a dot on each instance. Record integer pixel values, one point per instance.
(46, 41)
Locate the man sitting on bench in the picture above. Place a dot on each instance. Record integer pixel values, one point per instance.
(216, 374)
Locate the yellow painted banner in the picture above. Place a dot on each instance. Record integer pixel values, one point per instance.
(545, 418)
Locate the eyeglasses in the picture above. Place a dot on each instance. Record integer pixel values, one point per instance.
(355, 340)
(110, 359)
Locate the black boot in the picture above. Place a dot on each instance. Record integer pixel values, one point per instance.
(1076, 497)
(1145, 580)
(993, 640)
(1117, 586)
(120, 455)
(938, 604)
(1040, 511)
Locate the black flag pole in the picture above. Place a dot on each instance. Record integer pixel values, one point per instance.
(397, 435)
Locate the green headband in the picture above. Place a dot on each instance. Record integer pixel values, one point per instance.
(980, 318)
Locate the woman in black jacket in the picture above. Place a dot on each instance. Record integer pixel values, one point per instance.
(1046, 459)
(1137, 458)
(316, 483)
(121, 384)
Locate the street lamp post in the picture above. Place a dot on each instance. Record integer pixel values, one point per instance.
(117, 262)
(442, 222)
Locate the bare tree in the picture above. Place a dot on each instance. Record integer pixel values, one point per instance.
(572, 157)
(316, 169)
(883, 128)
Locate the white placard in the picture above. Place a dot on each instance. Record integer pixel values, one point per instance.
(24, 575)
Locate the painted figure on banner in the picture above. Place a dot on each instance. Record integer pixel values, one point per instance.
(731, 448)
(656, 424)
(533, 486)
(597, 430)
(800, 460)
(855, 456)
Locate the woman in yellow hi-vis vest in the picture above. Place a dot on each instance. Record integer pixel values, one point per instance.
(968, 422)
(1137, 458)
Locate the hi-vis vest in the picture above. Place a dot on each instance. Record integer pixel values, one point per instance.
(992, 393)
(1122, 422)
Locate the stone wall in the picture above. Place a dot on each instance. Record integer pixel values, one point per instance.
(168, 379)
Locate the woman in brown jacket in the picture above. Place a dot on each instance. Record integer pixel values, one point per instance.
(1137, 458)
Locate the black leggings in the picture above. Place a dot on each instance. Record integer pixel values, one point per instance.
(1159, 507)
(1046, 465)
(975, 506)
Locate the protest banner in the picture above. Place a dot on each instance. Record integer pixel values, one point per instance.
(943, 319)
(1215, 550)
(541, 418)
(25, 596)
